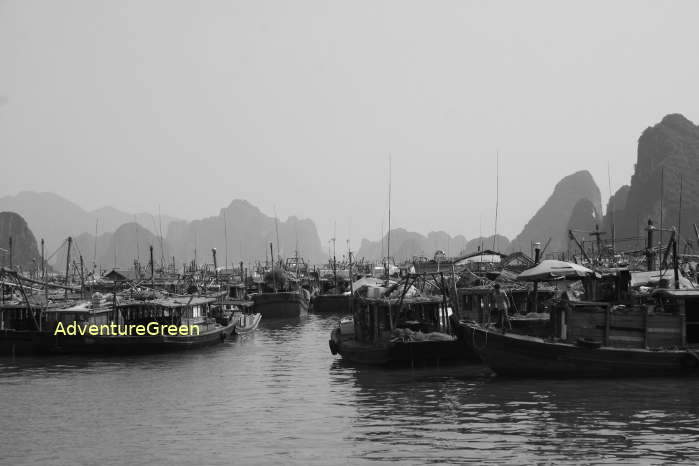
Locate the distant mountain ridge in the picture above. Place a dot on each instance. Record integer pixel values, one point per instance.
(250, 233)
(54, 218)
(408, 244)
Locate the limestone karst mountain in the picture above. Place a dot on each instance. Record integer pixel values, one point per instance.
(249, 234)
(24, 252)
(54, 218)
(667, 153)
(408, 244)
(553, 218)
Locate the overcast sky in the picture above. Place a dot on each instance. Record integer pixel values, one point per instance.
(298, 104)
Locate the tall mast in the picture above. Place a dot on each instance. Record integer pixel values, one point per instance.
(497, 195)
(276, 229)
(388, 246)
(679, 214)
(662, 192)
(225, 233)
(70, 242)
(613, 207)
(160, 229)
(94, 255)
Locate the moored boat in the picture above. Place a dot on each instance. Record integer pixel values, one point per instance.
(282, 304)
(593, 339)
(390, 328)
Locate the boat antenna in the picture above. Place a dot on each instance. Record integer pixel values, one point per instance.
(497, 195)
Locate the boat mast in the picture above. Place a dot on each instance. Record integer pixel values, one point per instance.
(662, 191)
(497, 195)
(613, 207)
(225, 233)
(388, 246)
(70, 242)
(276, 228)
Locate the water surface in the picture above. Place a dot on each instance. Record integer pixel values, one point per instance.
(279, 396)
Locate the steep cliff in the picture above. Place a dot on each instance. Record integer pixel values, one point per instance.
(667, 152)
(552, 219)
(25, 252)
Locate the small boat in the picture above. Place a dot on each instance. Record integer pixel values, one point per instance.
(245, 323)
(389, 328)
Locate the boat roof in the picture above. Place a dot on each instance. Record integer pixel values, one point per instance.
(406, 300)
(172, 302)
(671, 293)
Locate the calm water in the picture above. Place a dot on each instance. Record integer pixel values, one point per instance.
(281, 397)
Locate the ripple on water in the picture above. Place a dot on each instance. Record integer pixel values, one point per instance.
(279, 396)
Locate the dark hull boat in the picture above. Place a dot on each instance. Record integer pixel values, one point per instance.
(398, 327)
(209, 334)
(20, 343)
(281, 305)
(400, 353)
(510, 354)
(331, 303)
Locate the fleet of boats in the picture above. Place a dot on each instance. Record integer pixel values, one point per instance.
(591, 315)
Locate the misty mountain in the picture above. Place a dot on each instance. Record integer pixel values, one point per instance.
(249, 233)
(130, 242)
(501, 244)
(553, 218)
(25, 252)
(407, 244)
(54, 218)
(667, 152)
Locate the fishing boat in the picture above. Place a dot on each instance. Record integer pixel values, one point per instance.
(396, 327)
(656, 336)
(282, 304)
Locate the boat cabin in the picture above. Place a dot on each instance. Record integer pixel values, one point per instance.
(664, 318)
(377, 319)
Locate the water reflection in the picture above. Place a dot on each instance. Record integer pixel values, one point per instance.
(279, 396)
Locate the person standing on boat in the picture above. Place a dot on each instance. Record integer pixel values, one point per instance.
(500, 304)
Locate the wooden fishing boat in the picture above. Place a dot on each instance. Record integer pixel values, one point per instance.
(387, 329)
(282, 304)
(595, 339)
(39, 333)
(330, 303)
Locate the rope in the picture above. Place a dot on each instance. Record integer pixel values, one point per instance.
(56, 251)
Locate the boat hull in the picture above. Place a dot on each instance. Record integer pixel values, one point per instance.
(524, 356)
(401, 353)
(331, 303)
(281, 305)
(35, 342)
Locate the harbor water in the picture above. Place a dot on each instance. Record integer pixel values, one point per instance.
(280, 397)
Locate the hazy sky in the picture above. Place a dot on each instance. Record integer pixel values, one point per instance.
(298, 104)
